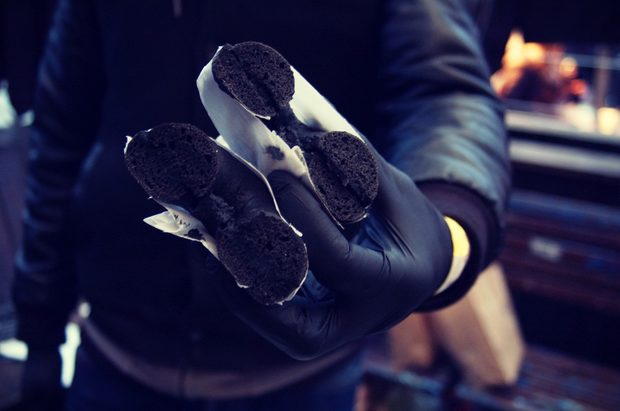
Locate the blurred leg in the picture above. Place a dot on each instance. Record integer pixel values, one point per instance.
(333, 390)
(101, 388)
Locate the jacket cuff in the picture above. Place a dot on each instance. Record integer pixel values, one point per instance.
(40, 330)
(476, 217)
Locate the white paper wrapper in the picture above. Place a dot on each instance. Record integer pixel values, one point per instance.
(245, 134)
(179, 222)
(246, 137)
(314, 110)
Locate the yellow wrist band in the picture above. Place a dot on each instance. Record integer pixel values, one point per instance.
(460, 253)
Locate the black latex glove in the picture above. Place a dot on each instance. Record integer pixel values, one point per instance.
(41, 388)
(397, 261)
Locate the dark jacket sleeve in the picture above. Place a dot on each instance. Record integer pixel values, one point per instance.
(67, 107)
(443, 124)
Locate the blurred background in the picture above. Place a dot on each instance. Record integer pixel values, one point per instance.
(540, 330)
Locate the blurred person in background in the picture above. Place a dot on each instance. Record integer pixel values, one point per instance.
(163, 332)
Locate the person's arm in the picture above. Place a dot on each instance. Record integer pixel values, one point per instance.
(444, 130)
(67, 106)
(443, 125)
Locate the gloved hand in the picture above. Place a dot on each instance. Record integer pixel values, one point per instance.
(41, 388)
(397, 261)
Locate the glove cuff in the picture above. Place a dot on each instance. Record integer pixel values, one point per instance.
(460, 254)
(476, 217)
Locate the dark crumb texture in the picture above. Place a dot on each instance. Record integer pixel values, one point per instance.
(341, 166)
(256, 75)
(174, 163)
(355, 164)
(273, 262)
(345, 174)
(179, 164)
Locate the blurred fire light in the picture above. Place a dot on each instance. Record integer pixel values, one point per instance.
(519, 53)
(568, 67)
(608, 120)
(535, 72)
(547, 79)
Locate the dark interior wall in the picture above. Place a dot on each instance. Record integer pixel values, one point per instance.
(591, 21)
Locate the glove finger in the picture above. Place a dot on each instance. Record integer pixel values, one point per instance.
(394, 186)
(298, 327)
(399, 205)
(341, 266)
(303, 328)
(387, 173)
